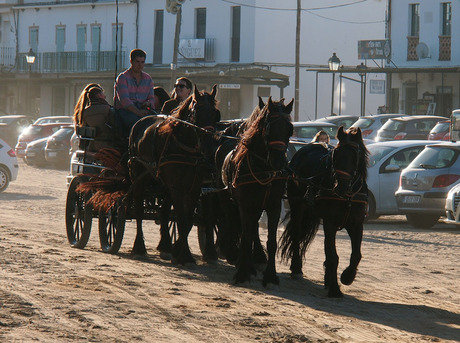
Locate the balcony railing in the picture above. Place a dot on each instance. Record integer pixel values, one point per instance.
(444, 48)
(6, 56)
(412, 42)
(73, 62)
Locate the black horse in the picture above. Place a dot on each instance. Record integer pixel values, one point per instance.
(255, 175)
(171, 155)
(327, 184)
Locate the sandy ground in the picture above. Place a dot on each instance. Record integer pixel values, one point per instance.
(407, 287)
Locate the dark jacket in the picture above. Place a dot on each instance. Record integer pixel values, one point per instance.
(97, 115)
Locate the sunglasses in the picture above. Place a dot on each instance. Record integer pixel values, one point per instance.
(180, 86)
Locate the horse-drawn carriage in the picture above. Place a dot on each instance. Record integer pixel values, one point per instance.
(163, 167)
(169, 160)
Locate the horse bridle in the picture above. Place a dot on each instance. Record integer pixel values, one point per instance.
(192, 116)
(342, 174)
(276, 144)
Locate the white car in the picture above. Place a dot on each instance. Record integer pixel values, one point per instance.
(369, 125)
(8, 165)
(452, 208)
(386, 161)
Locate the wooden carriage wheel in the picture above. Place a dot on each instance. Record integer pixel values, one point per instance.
(78, 214)
(112, 228)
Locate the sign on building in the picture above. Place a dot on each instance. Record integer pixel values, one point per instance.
(377, 87)
(192, 48)
(373, 49)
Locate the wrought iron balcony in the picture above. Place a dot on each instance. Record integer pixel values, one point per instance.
(73, 62)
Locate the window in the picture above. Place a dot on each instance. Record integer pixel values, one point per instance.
(117, 37)
(158, 38)
(81, 37)
(200, 23)
(236, 29)
(414, 20)
(446, 19)
(33, 38)
(60, 38)
(96, 38)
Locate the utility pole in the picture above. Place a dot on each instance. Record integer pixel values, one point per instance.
(175, 7)
(297, 62)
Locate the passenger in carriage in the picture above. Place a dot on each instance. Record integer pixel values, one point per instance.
(322, 137)
(133, 93)
(78, 105)
(182, 89)
(95, 111)
(161, 96)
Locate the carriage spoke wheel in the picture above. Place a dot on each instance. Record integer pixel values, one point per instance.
(112, 228)
(78, 214)
(203, 237)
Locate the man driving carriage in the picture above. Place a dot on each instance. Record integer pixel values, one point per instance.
(133, 93)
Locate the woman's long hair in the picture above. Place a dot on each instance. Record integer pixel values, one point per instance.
(82, 102)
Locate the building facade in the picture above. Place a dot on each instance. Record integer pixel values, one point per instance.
(424, 68)
(246, 47)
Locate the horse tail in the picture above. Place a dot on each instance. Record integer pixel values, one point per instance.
(300, 230)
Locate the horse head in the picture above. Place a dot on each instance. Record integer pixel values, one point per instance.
(349, 162)
(203, 110)
(276, 131)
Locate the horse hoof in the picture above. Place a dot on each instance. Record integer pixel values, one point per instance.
(348, 276)
(165, 256)
(335, 293)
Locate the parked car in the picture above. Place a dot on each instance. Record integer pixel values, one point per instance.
(452, 208)
(8, 165)
(369, 125)
(33, 132)
(11, 127)
(424, 184)
(54, 120)
(341, 120)
(305, 131)
(408, 127)
(386, 161)
(440, 132)
(57, 150)
(35, 152)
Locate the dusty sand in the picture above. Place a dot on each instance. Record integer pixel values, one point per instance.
(406, 290)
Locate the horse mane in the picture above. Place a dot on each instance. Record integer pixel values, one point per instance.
(181, 112)
(250, 129)
(354, 135)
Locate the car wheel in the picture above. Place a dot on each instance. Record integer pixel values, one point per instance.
(4, 179)
(422, 221)
(371, 207)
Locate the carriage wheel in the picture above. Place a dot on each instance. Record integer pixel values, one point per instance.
(78, 214)
(112, 228)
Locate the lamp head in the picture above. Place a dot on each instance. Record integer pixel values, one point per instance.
(334, 62)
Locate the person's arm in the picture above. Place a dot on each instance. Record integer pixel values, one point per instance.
(150, 101)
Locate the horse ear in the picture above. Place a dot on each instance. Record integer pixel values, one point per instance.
(290, 106)
(214, 91)
(261, 103)
(358, 133)
(196, 92)
(340, 133)
(270, 102)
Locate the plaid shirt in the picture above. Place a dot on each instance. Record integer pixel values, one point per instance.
(128, 92)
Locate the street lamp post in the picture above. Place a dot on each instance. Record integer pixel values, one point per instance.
(334, 64)
(30, 58)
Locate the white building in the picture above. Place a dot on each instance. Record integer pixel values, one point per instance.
(425, 57)
(246, 46)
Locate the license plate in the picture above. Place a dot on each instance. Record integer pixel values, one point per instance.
(411, 199)
(52, 154)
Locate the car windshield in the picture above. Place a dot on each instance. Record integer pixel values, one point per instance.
(363, 123)
(310, 131)
(31, 130)
(394, 125)
(63, 133)
(435, 157)
(376, 153)
(440, 127)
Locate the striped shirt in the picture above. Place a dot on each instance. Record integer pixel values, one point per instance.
(128, 92)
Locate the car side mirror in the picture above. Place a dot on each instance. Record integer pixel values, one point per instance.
(392, 168)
